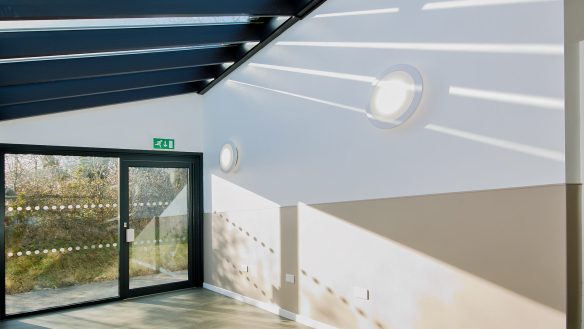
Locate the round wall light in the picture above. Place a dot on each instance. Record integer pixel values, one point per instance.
(228, 157)
(395, 96)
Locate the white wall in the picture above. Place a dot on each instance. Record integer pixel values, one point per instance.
(297, 149)
(124, 126)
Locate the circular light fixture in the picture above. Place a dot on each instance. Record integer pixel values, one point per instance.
(395, 96)
(228, 157)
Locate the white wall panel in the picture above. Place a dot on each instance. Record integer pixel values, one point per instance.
(492, 115)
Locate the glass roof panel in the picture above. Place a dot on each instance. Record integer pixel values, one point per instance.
(79, 24)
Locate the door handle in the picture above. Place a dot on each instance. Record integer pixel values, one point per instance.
(130, 235)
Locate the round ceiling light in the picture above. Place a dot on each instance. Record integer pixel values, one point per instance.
(395, 96)
(228, 157)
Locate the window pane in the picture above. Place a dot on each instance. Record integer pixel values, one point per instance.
(159, 211)
(61, 230)
(118, 22)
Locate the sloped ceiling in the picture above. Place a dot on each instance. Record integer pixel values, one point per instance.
(63, 55)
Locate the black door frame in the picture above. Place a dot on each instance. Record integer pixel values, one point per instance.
(152, 162)
(193, 159)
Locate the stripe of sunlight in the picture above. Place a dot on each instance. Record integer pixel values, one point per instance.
(539, 49)
(360, 12)
(344, 76)
(538, 101)
(517, 147)
(475, 3)
(317, 100)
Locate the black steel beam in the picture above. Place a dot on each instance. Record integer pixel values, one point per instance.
(70, 9)
(63, 42)
(85, 67)
(272, 30)
(244, 55)
(43, 86)
(82, 87)
(75, 103)
(309, 7)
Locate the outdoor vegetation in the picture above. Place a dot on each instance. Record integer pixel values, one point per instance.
(61, 221)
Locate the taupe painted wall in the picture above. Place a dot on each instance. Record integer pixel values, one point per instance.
(489, 259)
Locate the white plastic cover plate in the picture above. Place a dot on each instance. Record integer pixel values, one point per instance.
(130, 235)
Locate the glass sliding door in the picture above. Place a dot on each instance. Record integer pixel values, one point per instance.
(61, 230)
(79, 226)
(159, 221)
(159, 212)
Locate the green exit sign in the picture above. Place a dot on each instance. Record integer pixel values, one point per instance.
(163, 143)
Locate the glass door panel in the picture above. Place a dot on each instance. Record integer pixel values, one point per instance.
(61, 228)
(159, 215)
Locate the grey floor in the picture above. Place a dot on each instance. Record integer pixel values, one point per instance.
(43, 298)
(191, 308)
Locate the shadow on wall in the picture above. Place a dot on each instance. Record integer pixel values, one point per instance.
(515, 222)
(263, 239)
(241, 260)
(446, 261)
(232, 245)
(330, 308)
(227, 258)
(491, 259)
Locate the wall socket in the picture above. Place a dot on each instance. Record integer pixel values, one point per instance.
(244, 268)
(290, 278)
(361, 293)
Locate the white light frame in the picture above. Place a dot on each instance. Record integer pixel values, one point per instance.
(418, 91)
(234, 156)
